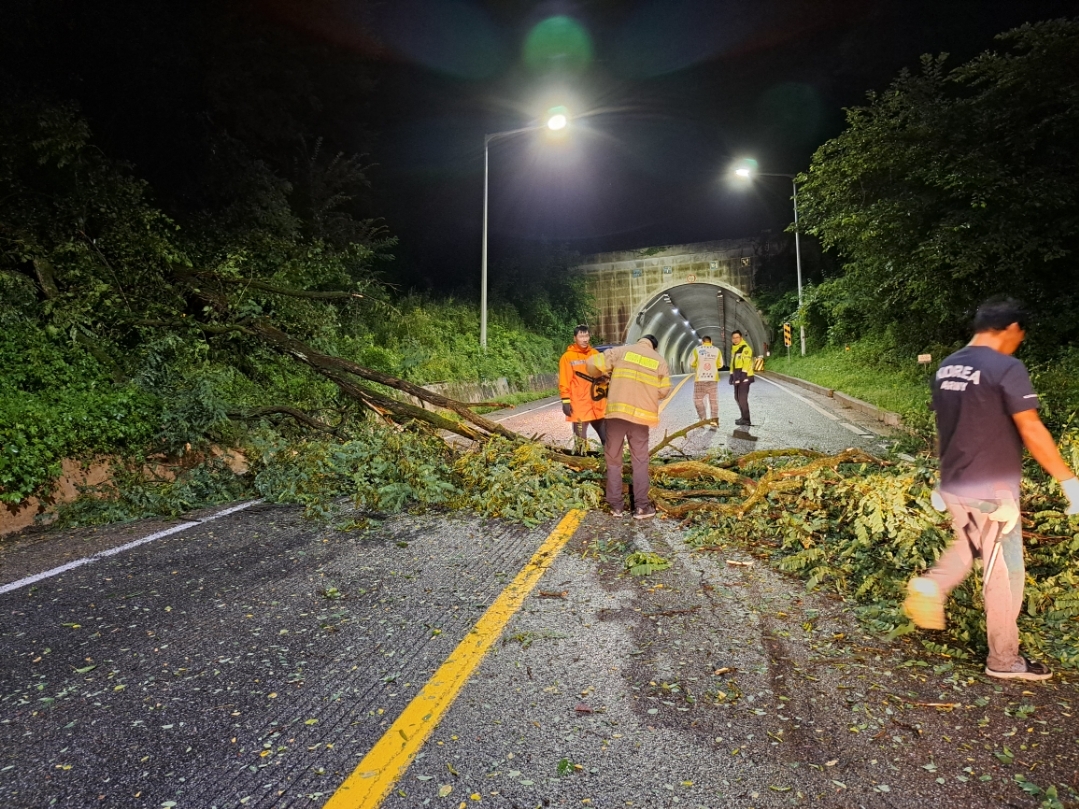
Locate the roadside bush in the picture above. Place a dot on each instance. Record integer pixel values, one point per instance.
(56, 402)
(134, 494)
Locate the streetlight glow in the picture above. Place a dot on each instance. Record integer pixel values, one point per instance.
(746, 169)
(557, 120)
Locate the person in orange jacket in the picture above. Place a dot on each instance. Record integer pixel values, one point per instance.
(584, 397)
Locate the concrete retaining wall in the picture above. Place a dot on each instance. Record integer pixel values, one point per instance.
(490, 391)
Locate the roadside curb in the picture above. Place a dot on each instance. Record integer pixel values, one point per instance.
(886, 417)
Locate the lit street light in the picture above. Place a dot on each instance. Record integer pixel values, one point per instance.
(558, 119)
(747, 170)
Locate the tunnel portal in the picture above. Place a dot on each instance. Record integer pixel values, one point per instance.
(680, 294)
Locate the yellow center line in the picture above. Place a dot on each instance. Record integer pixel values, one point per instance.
(387, 761)
(674, 393)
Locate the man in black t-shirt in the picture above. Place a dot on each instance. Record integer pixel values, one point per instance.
(986, 413)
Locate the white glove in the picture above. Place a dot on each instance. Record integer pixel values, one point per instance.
(1008, 513)
(938, 501)
(1071, 491)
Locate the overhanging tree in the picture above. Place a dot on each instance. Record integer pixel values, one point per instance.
(952, 185)
(79, 235)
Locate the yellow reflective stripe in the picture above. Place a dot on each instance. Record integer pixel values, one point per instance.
(630, 410)
(644, 362)
(638, 376)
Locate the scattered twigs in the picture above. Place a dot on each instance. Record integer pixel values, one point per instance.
(830, 461)
(773, 477)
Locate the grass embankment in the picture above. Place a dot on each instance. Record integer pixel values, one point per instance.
(176, 397)
(868, 372)
(898, 389)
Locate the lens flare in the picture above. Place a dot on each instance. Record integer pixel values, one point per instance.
(558, 44)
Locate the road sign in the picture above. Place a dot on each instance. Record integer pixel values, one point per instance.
(787, 334)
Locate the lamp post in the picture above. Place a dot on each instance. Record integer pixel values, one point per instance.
(557, 120)
(747, 169)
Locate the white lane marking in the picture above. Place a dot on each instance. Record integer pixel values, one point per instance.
(853, 428)
(515, 414)
(787, 390)
(175, 529)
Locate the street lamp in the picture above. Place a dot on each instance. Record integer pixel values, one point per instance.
(747, 169)
(557, 119)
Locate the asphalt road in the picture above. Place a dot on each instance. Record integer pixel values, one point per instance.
(255, 659)
(782, 417)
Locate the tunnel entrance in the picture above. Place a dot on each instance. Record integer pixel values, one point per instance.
(680, 293)
(681, 316)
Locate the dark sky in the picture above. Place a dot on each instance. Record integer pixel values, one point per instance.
(679, 89)
(664, 94)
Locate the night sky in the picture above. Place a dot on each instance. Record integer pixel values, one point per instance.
(665, 94)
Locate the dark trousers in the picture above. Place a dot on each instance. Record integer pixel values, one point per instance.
(618, 431)
(580, 429)
(741, 397)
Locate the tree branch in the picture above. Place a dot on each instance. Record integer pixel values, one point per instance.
(299, 415)
(288, 291)
(667, 439)
(333, 367)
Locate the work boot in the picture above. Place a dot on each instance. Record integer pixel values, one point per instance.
(645, 512)
(924, 604)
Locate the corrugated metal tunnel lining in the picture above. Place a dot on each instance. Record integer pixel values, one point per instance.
(681, 316)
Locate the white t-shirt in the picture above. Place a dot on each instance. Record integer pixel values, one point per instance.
(707, 364)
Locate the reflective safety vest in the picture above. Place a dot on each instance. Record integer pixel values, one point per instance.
(741, 363)
(640, 378)
(706, 361)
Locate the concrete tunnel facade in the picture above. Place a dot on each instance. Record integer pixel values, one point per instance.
(679, 293)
